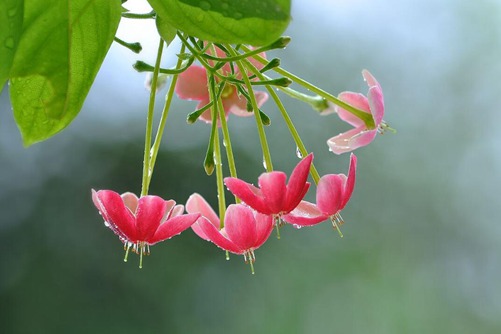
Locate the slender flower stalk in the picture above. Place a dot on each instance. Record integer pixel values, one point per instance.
(149, 122)
(287, 119)
(163, 119)
(259, 122)
(369, 122)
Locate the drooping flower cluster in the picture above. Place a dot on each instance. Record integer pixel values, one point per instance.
(222, 84)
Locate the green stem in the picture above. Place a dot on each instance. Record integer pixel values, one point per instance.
(317, 102)
(364, 116)
(149, 122)
(287, 119)
(163, 120)
(257, 115)
(227, 143)
(130, 15)
(217, 149)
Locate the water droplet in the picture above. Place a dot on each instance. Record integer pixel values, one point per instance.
(12, 12)
(200, 17)
(237, 15)
(298, 153)
(9, 43)
(264, 164)
(205, 5)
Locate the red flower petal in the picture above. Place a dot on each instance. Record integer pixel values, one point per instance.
(240, 226)
(117, 214)
(350, 181)
(217, 238)
(150, 212)
(305, 214)
(197, 204)
(248, 193)
(330, 194)
(297, 186)
(173, 227)
(264, 226)
(273, 189)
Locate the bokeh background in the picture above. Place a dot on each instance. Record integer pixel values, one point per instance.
(423, 233)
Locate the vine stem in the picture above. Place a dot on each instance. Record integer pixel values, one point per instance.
(287, 119)
(227, 143)
(217, 149)
(163, 119)
(259, 122)
(366, 117)
(149, 122)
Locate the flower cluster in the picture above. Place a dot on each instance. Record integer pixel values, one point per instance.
(223, 83)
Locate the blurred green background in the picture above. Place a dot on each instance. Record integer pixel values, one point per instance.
(423, 233)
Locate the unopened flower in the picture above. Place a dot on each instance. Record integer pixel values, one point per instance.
(274, 196)
(360, 135)
(333, 193)
(192, 85)
(244, 229)
(141, 222)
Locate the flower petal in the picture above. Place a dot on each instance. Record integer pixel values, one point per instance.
(376, 103)
(240, 226)
(236, 104)
(130, 201)
(350, 181)
(197, 204)
(121, 220)
(217, 238)
(192, 84)
(248, 193)
(330, 194)
(369, 78)
(150, 212)
(305, 214)
(297, 186)
(172, 227)
(274, 190)
(264, 226)
(356, 100)
(351, 139)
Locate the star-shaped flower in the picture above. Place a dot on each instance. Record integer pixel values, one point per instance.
(359, 136)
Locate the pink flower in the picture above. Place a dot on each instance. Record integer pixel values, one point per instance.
(192, 85)
(244, 230)
(140, 223)
(360, 135)
(333, 193)
(274, 196)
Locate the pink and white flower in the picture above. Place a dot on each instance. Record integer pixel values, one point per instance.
(333, 193)
(192, 85)
(274, 196)
(360, 135)
(244, 229)
(141, 222)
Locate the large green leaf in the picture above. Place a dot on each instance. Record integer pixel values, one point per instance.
(62, 46)
(254, 22)
(11, 21)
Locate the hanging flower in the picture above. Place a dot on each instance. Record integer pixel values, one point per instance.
(141, 223)
(244, 229)
(192, 85)
(360, 135)
(333, 193)
(274, 196)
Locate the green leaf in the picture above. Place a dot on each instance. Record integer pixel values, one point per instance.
(165, 30)
(253, 22)
(62, 46)
(11, 21)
